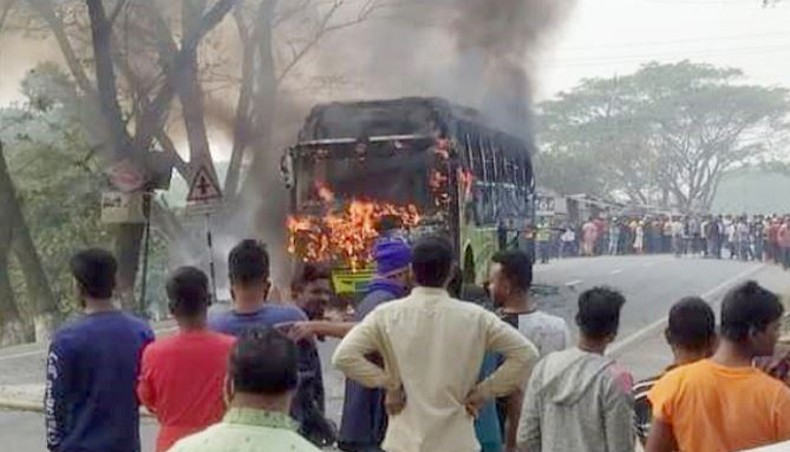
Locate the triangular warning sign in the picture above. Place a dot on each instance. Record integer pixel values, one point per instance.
(204, 185)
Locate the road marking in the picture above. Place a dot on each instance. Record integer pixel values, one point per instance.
(575, 282)
(43, 351)
(22, 355)
(616, 272)
(620, 347)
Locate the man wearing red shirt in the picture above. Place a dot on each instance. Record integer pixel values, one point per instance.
(182, 377)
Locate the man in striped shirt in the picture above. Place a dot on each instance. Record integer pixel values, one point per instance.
(692, 335)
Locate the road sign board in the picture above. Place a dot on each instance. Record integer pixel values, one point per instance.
(127, 176)
(202, 208)
(117, 207)
(204, 185)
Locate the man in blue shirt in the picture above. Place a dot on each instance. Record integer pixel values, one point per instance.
(248, 266)
(92, 367)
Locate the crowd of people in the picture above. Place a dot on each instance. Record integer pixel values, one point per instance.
(755, 238)
(426, 372)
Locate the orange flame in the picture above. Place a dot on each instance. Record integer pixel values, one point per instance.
(346, 236)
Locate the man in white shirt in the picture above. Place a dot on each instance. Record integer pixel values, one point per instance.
(432, 347)
(510, 282)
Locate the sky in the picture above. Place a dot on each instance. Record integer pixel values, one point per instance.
(601, 38)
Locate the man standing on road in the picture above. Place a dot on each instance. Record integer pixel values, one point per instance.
(262, 379)
(580, 400)
(182, 376)
(511, 279)
(784, 243)
(725, 403)
(589, 237)
(311, 289)
(92, 367)
(364, 420)
(692, 335)
(432, 388)
(248, 265)
(543, 237)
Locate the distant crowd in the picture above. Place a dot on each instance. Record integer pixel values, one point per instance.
(426, 371)
(757, 238)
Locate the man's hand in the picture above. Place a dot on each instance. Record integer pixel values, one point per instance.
(474, 403)
(775, 366)
(395, 401)
(299, 331)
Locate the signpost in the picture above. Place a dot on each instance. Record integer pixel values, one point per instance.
(118, 207)
(204, 191)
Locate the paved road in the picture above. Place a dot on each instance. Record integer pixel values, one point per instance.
(651, 284)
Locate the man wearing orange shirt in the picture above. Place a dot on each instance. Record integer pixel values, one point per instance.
(725, 403)
(182, 376)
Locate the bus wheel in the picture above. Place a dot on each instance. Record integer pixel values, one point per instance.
(469, 267)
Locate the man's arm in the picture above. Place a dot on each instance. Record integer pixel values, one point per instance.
(513, 415)
(145, 386)
(58, 382)
(661, 438)
(350, 357)
(528, 437)
(619, 416)
(519, 354)
(304, 330)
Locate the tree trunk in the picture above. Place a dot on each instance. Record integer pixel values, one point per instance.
(12, 329)
(128, 241)
(46, 312)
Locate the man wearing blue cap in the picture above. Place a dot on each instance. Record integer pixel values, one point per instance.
(364, 420)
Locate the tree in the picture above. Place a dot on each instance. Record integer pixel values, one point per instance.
(12, 330)
(663, 135)
(148, 67)
(55, 187)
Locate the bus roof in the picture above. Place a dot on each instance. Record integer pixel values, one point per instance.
(412, 116)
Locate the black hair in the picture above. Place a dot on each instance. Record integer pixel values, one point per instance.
(248, 262)
(309, 272)
(692, 324)
(264, 361)
(517, 268)
(95, 269)
(187, 289)
(599, 312)
(388, 223)
(748, 307)
(432, 261)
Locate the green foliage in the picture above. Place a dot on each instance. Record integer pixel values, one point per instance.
(668, 132)
(59, 179)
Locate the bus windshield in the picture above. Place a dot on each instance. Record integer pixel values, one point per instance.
(400, 181)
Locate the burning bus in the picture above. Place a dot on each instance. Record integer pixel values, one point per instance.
(434, 166)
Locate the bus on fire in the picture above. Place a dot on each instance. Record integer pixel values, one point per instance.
(435, 166)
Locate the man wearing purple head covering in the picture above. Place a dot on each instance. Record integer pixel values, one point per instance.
(364, 420)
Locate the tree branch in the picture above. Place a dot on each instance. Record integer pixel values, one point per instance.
(324, 27)
(45, 9)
